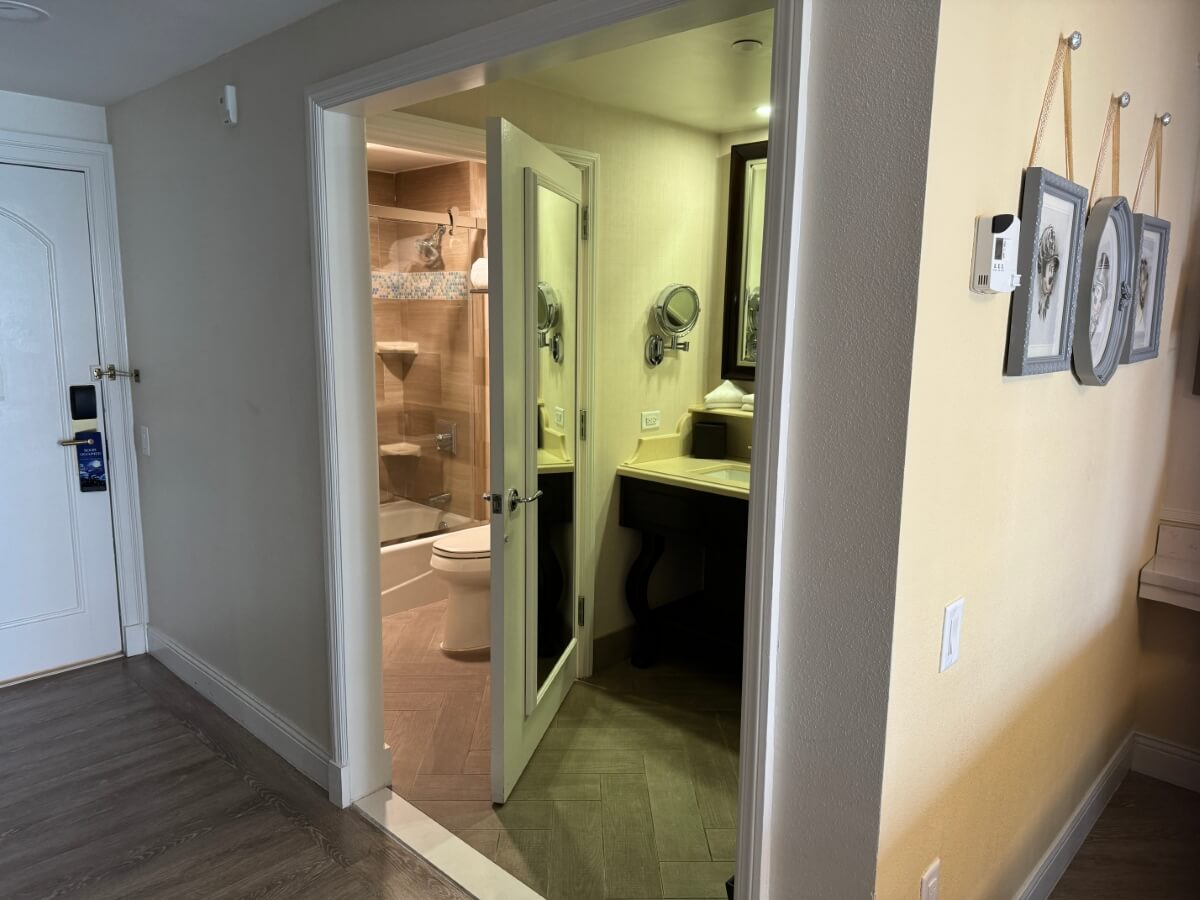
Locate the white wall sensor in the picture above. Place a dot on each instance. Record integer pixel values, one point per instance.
(228, 101)
(995, 270)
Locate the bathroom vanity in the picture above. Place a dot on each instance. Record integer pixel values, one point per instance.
(666, 494)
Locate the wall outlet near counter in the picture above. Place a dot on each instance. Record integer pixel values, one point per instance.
(651, 419)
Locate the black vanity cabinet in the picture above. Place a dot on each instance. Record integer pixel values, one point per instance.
(715, 522)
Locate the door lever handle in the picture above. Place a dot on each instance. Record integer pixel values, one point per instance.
(515, 498)
(76, 442)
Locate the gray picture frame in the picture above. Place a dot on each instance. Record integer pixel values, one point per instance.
(1095, 283)
(1020, 358)
(1141, 224)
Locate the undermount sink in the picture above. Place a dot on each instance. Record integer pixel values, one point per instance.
(727, 474)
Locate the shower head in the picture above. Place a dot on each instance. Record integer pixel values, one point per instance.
(429, 249)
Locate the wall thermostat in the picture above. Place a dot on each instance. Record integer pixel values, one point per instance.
(995, 270)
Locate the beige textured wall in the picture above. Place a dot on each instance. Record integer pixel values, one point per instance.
(1035, 498)
(1169, 672)
(654, 222)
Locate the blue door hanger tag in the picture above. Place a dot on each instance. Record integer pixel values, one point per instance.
(91, 462)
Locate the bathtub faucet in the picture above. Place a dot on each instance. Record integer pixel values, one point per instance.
(441, 501)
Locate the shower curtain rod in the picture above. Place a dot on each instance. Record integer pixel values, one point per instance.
(397, 213)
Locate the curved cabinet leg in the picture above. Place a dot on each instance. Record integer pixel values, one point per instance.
(637, 586)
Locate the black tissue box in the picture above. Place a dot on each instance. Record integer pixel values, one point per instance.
(708, 440)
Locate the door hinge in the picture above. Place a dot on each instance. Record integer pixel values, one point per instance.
(583, 424)
(580, 606)
(585, 223)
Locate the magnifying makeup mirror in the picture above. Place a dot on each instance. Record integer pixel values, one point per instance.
(676, 311)
(547, 312)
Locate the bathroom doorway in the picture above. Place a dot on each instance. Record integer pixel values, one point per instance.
(337, 150)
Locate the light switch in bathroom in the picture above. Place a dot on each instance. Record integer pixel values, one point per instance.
(651, 419)
(560, 417)
(144, 437)
(951, 634)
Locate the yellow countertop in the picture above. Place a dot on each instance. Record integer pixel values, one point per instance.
(689, 472)
(550, 463)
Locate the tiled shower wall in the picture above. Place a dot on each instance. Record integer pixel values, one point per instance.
(446, 380)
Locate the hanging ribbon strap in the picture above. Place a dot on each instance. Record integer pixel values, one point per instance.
(1061, 66)
(1112, 133)
(1154, 150)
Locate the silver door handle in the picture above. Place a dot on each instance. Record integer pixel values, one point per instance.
(515, 498)
(76, 442)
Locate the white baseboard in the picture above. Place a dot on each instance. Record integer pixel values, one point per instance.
(1166, 761)
(135, 640)
(243, 707)
(1183, 516)
(1062, 850)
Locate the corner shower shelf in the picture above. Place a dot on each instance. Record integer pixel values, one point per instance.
(403, 448)
(397, 348)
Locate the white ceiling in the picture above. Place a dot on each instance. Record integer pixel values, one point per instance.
(101, 51)
(694, 77)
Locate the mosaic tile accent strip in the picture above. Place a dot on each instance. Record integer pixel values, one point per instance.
(419, 285)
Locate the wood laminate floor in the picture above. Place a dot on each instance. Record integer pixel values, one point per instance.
(632, 793)
(119, 781)
(1145, 846)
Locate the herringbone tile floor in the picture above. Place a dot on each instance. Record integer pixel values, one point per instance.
(632, 793)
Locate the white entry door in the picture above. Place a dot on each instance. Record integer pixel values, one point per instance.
(534, 203)
(58, 581)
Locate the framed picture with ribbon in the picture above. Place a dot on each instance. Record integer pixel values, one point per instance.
(1150, 236)
(1042, 317)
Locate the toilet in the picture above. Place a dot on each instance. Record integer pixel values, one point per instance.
(464, 561)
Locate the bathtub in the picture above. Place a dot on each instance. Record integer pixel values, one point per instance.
(407, 531)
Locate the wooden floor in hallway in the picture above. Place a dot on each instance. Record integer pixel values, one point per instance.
(1145, 846)
(119, 781)
(632, 793)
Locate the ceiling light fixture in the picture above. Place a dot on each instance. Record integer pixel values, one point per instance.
(764, 111)
(747, 45)
(15, 11)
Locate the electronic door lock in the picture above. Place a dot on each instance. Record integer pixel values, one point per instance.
(112, 373)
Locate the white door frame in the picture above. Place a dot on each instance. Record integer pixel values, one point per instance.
(431, 136)
(94, 160)
(506, 49)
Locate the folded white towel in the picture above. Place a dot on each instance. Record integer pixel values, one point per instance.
(748, 403)
(725, 395)
(479, 274)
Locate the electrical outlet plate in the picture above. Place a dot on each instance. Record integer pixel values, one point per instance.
(931, 881)
(951, 634)
(651, 419)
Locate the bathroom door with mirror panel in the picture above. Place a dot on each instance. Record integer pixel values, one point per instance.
(534, 203)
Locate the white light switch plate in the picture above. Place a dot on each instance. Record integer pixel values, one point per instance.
(651, 419)
(951, 634)
(560, 417)
(931, 881)
(144, 435)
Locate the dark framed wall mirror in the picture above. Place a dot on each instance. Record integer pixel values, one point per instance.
(743, 259)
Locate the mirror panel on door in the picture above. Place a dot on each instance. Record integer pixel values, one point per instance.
(552, 248)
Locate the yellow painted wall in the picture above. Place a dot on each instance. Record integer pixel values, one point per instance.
(1035, 498)
(655, 220)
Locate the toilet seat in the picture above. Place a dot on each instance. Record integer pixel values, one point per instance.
(470, 543)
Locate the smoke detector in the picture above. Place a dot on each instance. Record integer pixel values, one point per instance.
(15, 11)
